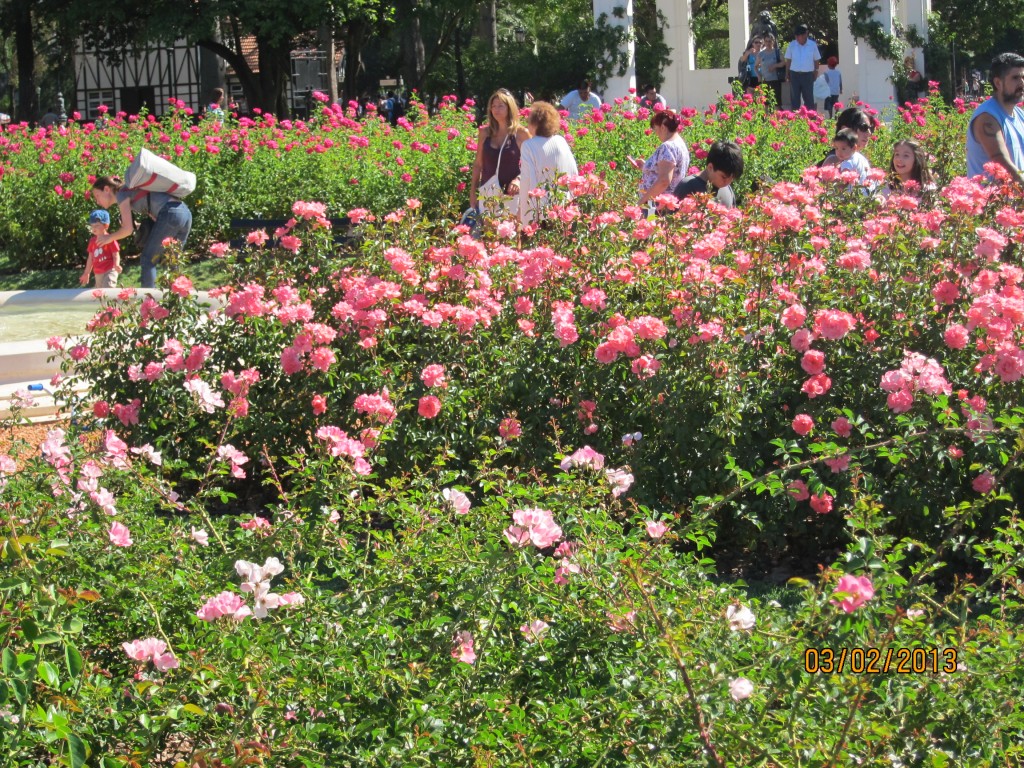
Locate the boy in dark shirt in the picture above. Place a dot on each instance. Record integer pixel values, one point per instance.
(724, 164)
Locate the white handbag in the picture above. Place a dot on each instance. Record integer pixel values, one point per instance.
(822, 90)
(492, 187)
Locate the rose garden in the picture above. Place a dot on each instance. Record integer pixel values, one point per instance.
(716, 487)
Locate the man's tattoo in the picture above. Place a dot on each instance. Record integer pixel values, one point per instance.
(990, 127)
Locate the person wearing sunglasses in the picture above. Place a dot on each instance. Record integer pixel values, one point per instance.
(860, 123)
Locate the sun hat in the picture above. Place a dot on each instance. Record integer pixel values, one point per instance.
(99, 216)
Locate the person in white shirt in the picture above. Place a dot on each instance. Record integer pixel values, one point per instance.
(802, 60)
(581, 101)
(543, 159)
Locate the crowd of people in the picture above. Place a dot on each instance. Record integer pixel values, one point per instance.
(995, 135)
(517, 165)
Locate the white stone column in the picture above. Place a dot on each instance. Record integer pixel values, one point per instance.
(849, 54)
(619, 13)
(914, 14)
(685, 85)
(865, 76)
(679, 38)
(739, 30)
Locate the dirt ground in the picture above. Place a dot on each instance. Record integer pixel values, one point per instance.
(34, 434)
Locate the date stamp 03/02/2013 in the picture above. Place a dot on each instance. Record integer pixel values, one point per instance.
(880, 661)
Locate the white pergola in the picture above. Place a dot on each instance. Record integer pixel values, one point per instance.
(865, 76)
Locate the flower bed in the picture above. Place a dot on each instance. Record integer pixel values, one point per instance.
(259, 167)
(454, 501)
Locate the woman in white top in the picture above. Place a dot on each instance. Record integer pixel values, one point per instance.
(670, 162)
(543, 159)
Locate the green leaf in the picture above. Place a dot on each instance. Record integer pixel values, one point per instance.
(73, 660)
(78, 751)
(47, 638)
(48, 673)
(194, 709)
(20, 691)
(73, 625)
(9, 661)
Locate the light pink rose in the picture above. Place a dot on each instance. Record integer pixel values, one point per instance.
(740, 689)
(855, 591)
(119, 535)
(655, 528)
(813, 362)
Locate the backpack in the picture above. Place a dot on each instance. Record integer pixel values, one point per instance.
(150, 173)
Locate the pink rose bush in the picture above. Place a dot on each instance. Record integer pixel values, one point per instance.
(797, 379)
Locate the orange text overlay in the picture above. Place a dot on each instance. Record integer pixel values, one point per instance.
(880, 661)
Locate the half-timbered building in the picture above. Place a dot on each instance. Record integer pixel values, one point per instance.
(151, 77)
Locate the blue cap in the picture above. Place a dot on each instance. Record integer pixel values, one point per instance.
(99, 216)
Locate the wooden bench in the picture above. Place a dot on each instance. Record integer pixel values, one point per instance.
(340, 228)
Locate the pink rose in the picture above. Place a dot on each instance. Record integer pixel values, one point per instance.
(655, 528)
(510, 428)
(794, 316)
(822, 504)
(181, 286)
(463, 648)
(433, 376)
(855, 591)
(803, 424)
(802, 340)
(798, 490)
(901, 401)
(813, 362)
(956, 336)
(429, 406)
(740, 689)
(119, 535)
(816, 386)
(842, 427)
(833, 323)
(983, 483)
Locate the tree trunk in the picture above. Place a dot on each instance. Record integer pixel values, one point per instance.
(413, 51)
(326, 36)
(460, 67)
(251, 85)
(211, 72)
(28, 99)
(355, 31)
(275, 69)
(488, 28)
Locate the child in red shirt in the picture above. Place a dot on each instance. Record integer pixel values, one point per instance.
(104, 260)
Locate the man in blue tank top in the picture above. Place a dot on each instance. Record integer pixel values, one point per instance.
(996, 131)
